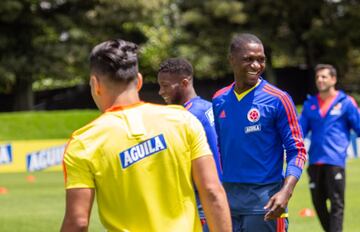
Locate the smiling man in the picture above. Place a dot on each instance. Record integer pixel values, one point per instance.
(329, 115)
(175, 78)
(255, 121)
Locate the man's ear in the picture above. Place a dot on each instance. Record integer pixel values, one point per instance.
(139, 82)
(95, 84)
(335, 80)
(231, 59)
(185, 82)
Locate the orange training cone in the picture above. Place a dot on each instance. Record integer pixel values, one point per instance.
(30, 178)
(3, 191)
(306, 212)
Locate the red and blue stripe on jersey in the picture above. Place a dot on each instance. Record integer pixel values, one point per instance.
(293, 122)
(252, 150)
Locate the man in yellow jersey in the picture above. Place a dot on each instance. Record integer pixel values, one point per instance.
(140, 159)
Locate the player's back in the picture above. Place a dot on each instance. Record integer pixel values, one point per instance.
(140, 160)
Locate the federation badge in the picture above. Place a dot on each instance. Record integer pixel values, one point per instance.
(338, 106)
(253, 115)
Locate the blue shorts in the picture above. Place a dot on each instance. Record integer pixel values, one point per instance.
(247, 203)
(256, 223)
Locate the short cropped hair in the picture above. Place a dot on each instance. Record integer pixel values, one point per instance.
(331, 68)
(117, 59)
(240, 40)
(177, 66)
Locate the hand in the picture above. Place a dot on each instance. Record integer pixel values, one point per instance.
(277, 205)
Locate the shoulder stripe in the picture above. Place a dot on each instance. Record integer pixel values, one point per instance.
(189, 106)
(353, 101)
(293, 124)
(223, 90)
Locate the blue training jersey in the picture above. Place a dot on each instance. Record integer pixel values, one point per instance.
(253, 133)
(203, 111)
(330, 134)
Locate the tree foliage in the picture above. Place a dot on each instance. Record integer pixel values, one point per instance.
(47, 42)
(310, 32)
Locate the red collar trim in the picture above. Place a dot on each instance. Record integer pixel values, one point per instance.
(123, 107)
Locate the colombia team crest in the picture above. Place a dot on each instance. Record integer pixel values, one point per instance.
(253, 115)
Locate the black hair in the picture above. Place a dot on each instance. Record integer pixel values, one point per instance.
(177, 66)
(116, 59)
(331, 68)
(239, 40)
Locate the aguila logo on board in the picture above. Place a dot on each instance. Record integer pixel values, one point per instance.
(6, 155)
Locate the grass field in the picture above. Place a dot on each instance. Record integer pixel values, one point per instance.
(43, 125)
(39, 206)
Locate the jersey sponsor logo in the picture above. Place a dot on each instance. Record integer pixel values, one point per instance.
(5, 154)
(142, 150)
(210, 116)
(254, 128)
(313, 107)
(336, 110)
(39, 160)
(253, 115)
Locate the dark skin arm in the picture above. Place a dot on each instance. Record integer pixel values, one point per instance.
(278, 203)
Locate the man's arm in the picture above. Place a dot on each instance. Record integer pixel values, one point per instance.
(212, 194)
(353, 116)
(79, 202)
(278, 203)
(291, 136)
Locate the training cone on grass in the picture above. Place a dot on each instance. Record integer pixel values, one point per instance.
(30, 178)
(306, 212)
(3, 191)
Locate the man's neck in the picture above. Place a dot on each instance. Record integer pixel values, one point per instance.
(128, 97)
(188, 96)
(328, 94)
(241, 87)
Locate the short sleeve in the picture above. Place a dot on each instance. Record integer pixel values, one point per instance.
(197, 138)
(77, 167)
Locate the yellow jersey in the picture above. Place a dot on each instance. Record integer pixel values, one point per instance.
(138, 159)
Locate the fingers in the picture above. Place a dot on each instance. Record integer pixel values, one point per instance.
(273, 214)
(269, 204)
(274, 209)
(269, 216)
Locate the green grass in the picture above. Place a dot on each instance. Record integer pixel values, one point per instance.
(43, 125)
(39, 206)
(301, 199)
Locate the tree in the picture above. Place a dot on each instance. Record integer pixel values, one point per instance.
(310, 32)
(206, 28)
(50, 40)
